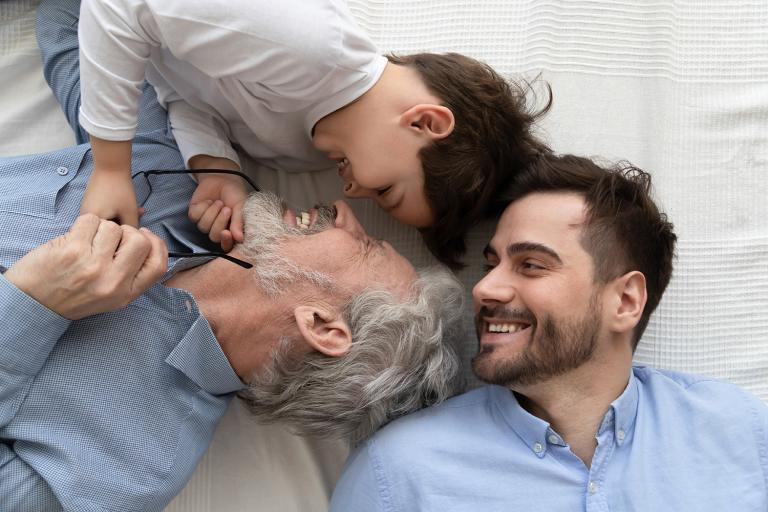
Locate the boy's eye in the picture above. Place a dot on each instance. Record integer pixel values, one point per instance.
(384, 190)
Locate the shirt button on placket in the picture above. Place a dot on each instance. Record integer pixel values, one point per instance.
(62, 171)
(621, 435)
(593, 487)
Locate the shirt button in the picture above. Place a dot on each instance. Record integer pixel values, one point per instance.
(62, 171)
(621, 435)
(538, 448)
(592, 487)
(553, 439)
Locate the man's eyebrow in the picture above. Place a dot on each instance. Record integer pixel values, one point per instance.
(519, 247)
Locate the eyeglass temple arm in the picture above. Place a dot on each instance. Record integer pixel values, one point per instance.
(227, 257)
(204, 171)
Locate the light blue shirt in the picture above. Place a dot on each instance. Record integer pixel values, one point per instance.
(112, 412)
(670, 442)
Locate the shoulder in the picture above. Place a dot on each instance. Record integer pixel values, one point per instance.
(453, 415)
(455, 422)
(405, 458)
(700, 396)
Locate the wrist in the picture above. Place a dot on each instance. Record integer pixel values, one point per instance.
(212, 162)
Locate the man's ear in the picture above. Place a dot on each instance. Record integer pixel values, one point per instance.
(628, 301)
(430, 120)
(323, 330)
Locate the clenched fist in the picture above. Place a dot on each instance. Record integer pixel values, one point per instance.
(97, 266)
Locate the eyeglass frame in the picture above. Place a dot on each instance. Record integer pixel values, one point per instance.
(215, 254)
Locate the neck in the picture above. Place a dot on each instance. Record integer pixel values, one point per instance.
(246, 324)
(575, 403)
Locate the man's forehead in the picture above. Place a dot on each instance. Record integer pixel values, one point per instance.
(541, 217)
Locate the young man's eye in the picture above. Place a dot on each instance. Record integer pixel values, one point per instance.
(529, 265)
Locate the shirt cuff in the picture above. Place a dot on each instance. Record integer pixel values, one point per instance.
(28, 330)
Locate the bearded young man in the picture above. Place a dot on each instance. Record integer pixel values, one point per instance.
(579, 261)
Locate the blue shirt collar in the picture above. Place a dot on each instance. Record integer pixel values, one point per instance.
(200, 357)
(537, 434)
(622, 413)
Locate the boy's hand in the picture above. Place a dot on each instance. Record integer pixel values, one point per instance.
(217, 207)
(97, 266)
(110, 196)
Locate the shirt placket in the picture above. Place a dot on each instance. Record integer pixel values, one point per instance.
(596, 498)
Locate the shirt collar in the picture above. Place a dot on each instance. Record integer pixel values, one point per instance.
(621, 415)
(176, 265)
(532, 431)
(200, 357)
(537, 434)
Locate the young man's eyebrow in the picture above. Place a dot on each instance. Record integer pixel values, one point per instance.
(519, 247)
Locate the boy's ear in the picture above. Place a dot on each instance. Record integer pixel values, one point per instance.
(324, 330)
(432, 121)
(628, 295)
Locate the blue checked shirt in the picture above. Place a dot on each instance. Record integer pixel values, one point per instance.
(112, 412)
(670, 442)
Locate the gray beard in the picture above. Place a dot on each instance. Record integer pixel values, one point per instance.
(265, 232)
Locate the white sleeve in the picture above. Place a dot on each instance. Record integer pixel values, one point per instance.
(199, 133)
(116, 38)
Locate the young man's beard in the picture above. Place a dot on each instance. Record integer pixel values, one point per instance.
(562, 345)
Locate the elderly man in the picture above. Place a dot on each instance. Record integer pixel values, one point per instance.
(331, 331)
(579, 261)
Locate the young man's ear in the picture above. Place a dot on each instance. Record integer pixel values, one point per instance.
(324, 330)
(628, 301)
(433, 121)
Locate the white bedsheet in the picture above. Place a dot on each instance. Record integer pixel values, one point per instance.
(680, 88)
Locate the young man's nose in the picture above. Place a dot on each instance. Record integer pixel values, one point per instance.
(493, 289)
(346, 220)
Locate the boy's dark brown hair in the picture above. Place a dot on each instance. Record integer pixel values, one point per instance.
(491, 141)
(624, 229)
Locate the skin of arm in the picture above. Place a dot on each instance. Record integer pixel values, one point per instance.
(217, 204)
(109, 194)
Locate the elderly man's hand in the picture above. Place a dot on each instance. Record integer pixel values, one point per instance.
(97, 266)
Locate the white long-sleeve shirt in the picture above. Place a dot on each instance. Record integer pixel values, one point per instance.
(255, 73)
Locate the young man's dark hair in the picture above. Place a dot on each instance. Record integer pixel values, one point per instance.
(490, 143)
(624, 228)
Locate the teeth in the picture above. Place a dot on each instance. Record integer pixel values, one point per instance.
(512, 328)
(303, 220)
(343, 163)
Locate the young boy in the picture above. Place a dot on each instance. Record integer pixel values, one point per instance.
(298, 85)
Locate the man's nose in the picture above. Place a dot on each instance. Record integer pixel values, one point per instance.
(494, 288)
(346, 220)
(352, 189)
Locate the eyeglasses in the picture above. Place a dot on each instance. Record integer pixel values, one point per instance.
(226, 256)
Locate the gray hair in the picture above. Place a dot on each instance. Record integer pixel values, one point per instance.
(264, 233)
(399, 362)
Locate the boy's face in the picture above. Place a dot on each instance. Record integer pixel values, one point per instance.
(376, 142)
(379, 159)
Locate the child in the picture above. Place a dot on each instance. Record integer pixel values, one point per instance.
(429, 137)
